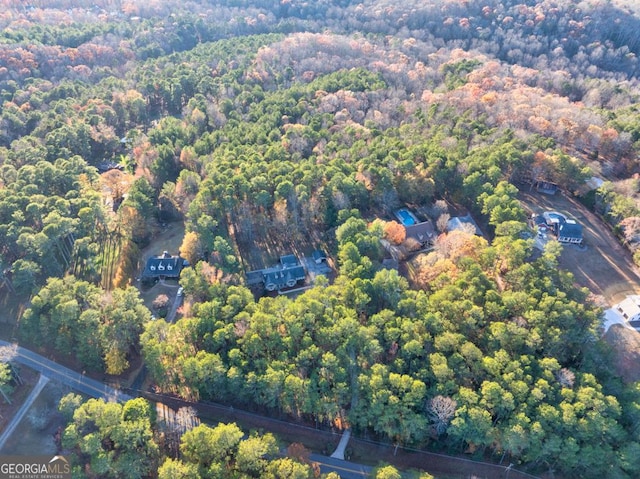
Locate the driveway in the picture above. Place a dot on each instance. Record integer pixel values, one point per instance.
(15, 420)
(177, 302)
(316, 269)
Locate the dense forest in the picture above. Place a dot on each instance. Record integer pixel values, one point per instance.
(266, 125)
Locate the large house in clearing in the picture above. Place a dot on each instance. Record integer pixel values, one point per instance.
(566, 230)
(570, 232)
(164, 266)
(421, 231)
(286, 274)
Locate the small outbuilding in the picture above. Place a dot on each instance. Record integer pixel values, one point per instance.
(319, 256)
(546, 187)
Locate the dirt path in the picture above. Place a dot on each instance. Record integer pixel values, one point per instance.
(604, 266)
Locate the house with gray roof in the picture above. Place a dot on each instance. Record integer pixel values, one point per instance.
(164, 266)
(286, 274)
(423, 232)
(570, 232)
(460, 222)
(565, 229)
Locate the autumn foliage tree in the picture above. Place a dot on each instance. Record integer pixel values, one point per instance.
(191, 249)
(395, 232)
(161, 304)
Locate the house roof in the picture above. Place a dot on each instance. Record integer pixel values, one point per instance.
(287, 273)
(547, 187)
(283, 277)
(612, 316)
(423, 231)
(457, 222)
(289, 261)
(554, 217)
(538, 220)
(594, 182)
(318, 255)
(630, 306)
(390, 263)
(254, 277)
(623, 313)
(163, 265)
(570, 230)
(109, 165)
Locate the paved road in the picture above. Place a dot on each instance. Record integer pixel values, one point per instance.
(346, 469)
(56, 372)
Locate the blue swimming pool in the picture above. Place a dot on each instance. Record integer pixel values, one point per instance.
(406, 218)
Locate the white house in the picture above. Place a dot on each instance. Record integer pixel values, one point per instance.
(626, 313)
(629, 308)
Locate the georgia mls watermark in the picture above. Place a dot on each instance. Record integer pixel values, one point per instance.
(34, 467)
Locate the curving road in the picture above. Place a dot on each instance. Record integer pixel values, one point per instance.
(77, 381)
(83, 384)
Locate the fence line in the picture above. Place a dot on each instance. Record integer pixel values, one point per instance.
(456, 465)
